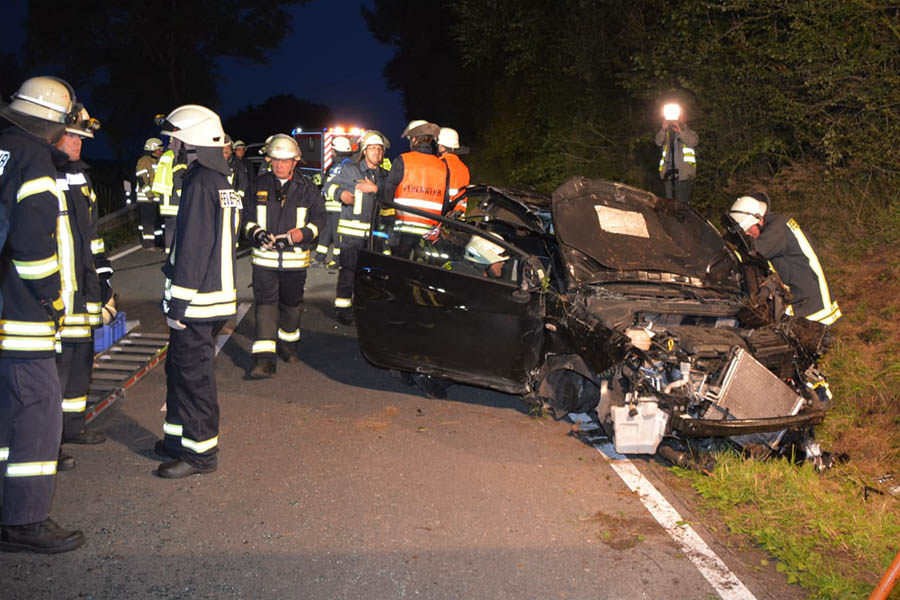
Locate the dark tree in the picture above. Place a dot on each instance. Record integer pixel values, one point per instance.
(278, 114)
(135, 59)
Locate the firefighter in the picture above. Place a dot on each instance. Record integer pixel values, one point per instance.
(148, 202)
(31, 283)
(76, 236)
(200, 294)
(449, 150)
(780, 241)
(167, 184)
(284, 215)
(418, 179)
(240, 181)
(328, 238)
(240, 150)
(678, 163)
(356, 186)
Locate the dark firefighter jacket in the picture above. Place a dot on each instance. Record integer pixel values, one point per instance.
(83, 305)
(200, 283)
(30, 263)
(278, 208)
(783, 244)
(356, 218)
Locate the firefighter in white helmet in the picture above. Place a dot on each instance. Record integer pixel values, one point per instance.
(357, 185)
(780, 240)
(449, 150)
(343, 151)
(148, 200)
(200, 294)
(284, 215)
(167, 182)
(78, 240)
(32, 287)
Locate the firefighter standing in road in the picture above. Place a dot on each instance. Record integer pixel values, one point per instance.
(200, 294)
(167, 184)
(328, 237)
(417, 179)
(148, 203)
(448, 150)
(77, 236)
(31, 283)
(357, 185)
(678, 163)
(240, 180)
(284, 215)
(780, 241)
(240, 150)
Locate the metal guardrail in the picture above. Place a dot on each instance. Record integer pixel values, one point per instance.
(116, 218)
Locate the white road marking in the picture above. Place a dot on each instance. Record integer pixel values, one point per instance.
(724, 582)
(242, 310)
(125, 252)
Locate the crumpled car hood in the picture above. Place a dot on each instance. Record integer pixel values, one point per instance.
(624, 229)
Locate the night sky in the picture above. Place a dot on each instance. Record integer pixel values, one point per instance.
(309, 64)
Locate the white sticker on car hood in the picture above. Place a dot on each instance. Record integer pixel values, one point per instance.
(622, 222)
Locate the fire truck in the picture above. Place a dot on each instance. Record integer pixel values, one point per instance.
(315, 145)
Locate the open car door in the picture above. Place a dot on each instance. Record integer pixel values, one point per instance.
(446, 309)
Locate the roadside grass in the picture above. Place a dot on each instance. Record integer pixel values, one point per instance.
(826, 532)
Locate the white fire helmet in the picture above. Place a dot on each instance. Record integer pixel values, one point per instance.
(283, 146)
(341, 144)
(419, 127)
(448, 138)
(85, 126)
(240, 144)
(153, 144)
(373, 138)
(747, 211)
(46, 98)
(195, 125)
(485, 252)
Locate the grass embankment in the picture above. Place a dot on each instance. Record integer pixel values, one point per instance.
(825, 531)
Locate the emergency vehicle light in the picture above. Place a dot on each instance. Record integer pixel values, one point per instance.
(296, 130)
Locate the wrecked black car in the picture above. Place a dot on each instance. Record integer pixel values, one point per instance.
(605, 300)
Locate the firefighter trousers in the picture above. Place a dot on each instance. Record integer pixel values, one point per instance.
(278, 299)
(169, 230)
(192, 406)
(329, 237)
(30, 429)
(74, 365)
(151, 231)
(350, 247)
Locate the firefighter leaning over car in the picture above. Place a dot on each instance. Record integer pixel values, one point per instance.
(148, 202)
(449, 151)
(31, 283)
(780, 241)
(417, 179)
(283, 216)
(357, 186)
(328, 237)
(200, 294)
(77, 237)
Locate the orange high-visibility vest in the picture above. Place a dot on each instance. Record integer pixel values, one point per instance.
(423, 186)
(459, 177)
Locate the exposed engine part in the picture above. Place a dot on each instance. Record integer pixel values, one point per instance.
(639, 426)
(750, 391)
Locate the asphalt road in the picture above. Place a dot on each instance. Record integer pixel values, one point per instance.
(337, 481)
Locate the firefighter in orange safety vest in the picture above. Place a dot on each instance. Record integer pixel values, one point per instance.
(418, 179)
(449, 151)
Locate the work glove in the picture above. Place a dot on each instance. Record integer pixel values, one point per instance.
(261, 237)
(289, 239)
